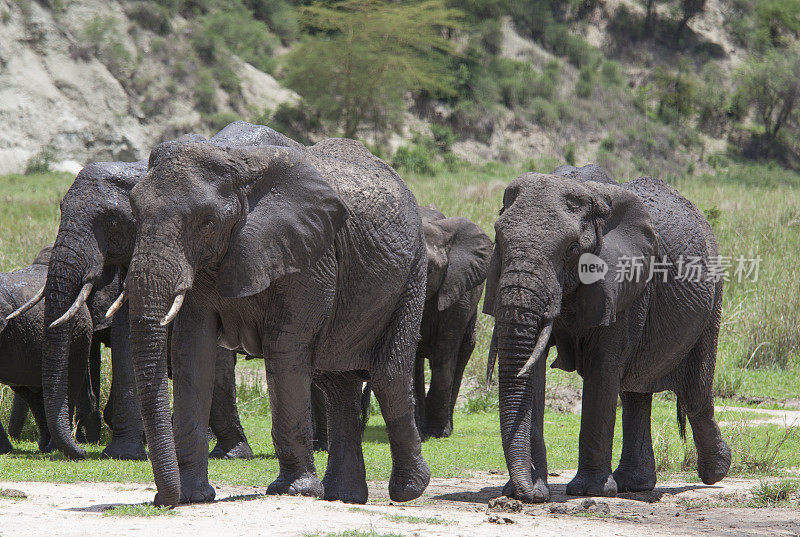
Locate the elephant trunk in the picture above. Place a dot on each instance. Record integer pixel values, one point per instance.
(71, 267)
(521, 329)
(151, 293)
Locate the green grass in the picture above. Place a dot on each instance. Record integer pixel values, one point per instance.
(749, 218)
(773, 493)
(139, 510)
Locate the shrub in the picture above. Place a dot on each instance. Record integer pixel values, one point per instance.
(295, 121)
(611, 74)
(443, 137)
(150, 16)
(675, 91)
(544, 112)
(469, 120)
(277, 14)
(103, 37)
(234, 31)
(219, 120)
(40, 162)
(586, 81)
(205, 92)
(415, 158)
(483, 402)
(569, 153)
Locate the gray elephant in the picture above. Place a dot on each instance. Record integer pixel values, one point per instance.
(458, 253)
(21, 341)
(95, 242)
(458, 257)
(627, 336)
(311, 257)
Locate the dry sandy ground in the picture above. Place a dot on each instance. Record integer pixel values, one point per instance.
(672, 509)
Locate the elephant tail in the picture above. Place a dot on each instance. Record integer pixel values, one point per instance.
(366, 396)
(681, 421)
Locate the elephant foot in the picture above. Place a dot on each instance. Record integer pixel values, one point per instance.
(5, 446)
(592, 484)
(343, 487)
(126, 450)
(46, 444)
(635, 479)
(539, 493)
(408, 483)
(436, 431)
(320, 444)
(307, 484)
(714, 468)
(88, 429)
(197, 492)
(241, 450)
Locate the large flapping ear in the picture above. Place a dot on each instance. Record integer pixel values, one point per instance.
(626, 239)
(467, 259)
(291, 215)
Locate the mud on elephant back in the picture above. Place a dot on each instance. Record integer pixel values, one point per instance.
(627, 337)
(275, 251)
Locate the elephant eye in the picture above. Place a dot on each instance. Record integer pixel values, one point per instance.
(574, 248)
(208, 224)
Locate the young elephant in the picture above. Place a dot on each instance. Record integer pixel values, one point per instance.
(458, 258)
(627, 336)
(458, 253)
(311, 257)
(21, 340)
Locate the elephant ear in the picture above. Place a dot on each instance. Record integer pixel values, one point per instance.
(492, 279)
(467, 259)
(625, 236)
(290, 217)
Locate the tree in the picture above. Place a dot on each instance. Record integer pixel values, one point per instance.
(689, 8)
(771, 84)
(363, 56)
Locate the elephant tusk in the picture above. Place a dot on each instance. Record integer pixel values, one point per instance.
(492, 358)
(173, 311)
(80, 301)
(28, 305)
(538, 350)
(123, 296)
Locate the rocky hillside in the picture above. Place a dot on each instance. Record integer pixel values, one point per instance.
(558, 80)
(87, 80)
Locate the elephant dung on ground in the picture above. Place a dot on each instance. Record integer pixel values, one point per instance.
(628, 336)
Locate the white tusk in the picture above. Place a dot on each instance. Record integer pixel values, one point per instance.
(491, 360)
(173, 311)
(28, 305)
(538, 350)
(80, 301)
(123, 296)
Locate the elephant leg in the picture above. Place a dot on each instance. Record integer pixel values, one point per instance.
(19, 415)
(35, 401)
(464, 354)
(127, 433)
(224, 416)
(194, 355)
(289, 387)
(696, 399)
(540, 491)
(637, 466)
(438, 401)
(419, 391)
(5, 444)
(87, 409)
(345, 478)
(598, 414)
(393, 386)
(319, 415)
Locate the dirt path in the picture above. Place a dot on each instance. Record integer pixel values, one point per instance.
(783, 417)
(450, 507)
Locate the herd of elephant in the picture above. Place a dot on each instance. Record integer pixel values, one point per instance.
(319, 260)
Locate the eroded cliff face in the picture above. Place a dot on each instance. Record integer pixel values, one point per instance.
(80, 81)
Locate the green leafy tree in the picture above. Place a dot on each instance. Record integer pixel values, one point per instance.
(771, 84)
(363, 56)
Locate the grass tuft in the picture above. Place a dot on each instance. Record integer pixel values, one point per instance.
(772, 493)
(139, 510)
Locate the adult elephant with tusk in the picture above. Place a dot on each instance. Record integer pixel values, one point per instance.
(310, 257)
(94, 246)
(628, 333)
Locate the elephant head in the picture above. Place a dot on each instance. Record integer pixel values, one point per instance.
(458, 256)
(235, 219)
(546, 224)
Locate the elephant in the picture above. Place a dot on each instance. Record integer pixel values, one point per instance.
(628, 336)
(458, 254)
(21, 341)
(311, 257)
(95, 241)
